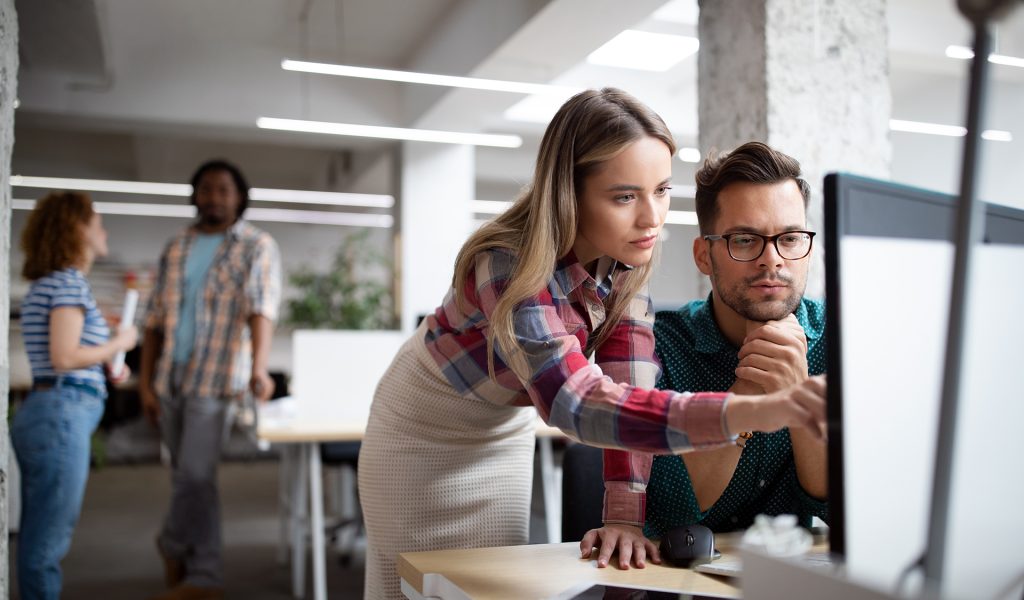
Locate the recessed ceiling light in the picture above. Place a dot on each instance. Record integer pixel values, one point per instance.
(689, 155)
(995, 135)
(474, 83)
(963, 52)
(392, 133)
(644, 51)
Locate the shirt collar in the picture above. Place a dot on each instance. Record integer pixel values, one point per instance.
(710, 338)
(571, 274)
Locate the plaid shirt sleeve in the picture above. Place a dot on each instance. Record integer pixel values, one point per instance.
(626, 473)
(263, 286)
(578, 397)
(156, 312)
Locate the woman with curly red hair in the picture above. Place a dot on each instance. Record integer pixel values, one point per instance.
(68, 344)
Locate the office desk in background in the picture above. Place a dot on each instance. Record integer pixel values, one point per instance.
(299, 436)
(536, 571)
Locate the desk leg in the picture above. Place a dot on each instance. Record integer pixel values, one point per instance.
(298, 528)
(316, 506)
(552, 495)
(285, 486)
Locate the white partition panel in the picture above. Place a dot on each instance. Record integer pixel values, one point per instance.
(334, 372)
(985, 527)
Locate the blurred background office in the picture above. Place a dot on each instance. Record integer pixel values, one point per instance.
(122, 98)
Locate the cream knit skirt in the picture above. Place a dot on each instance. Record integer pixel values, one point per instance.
(438, 470)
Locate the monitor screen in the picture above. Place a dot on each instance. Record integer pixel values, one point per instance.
(889, 263)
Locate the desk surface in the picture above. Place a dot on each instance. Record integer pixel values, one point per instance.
(281, 422)
(544, 570)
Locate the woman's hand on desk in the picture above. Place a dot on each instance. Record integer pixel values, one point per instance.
(627, 540)
(798, 406)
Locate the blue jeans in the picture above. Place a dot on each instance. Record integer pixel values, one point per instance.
(51, 434)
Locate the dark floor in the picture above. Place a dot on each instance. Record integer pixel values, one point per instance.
(113, 556)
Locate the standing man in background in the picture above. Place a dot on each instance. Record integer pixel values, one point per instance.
(207, 341)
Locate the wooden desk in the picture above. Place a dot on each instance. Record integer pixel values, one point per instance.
(537, 571)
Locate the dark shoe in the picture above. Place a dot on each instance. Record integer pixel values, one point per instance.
(187, 591)
(174, 568)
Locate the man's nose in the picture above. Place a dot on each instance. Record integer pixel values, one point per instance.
(770, 257)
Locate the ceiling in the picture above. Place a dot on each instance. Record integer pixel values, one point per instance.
(207, 69)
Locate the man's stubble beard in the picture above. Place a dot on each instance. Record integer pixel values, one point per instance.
(759, 311)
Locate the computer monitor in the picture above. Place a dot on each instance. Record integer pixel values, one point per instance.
(888, 272)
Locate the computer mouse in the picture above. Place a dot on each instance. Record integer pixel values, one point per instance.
(687, 546)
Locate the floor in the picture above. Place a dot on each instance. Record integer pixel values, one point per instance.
(113, 556)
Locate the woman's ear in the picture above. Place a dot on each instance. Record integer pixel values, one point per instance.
(700, 255)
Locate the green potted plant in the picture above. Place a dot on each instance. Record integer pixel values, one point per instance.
(355, 293)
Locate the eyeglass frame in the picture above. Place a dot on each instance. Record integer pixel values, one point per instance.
(774, 239)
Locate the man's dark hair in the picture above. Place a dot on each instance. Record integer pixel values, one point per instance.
(752, 162)
(230, 169)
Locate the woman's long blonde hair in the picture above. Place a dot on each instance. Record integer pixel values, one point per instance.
(592, 127)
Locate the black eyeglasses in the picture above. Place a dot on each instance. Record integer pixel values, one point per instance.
(747, 247)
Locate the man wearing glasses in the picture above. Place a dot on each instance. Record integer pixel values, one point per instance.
(755, 333)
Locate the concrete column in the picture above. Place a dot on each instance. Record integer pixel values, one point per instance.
(437, 185)
(8, 94)
(808, 77)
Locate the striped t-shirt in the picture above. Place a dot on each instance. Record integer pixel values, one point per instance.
(67, 287)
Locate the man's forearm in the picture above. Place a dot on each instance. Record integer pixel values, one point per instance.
(261, 329)
(811, 457)
(152, 347)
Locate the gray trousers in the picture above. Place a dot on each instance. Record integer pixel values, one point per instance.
(192, 429)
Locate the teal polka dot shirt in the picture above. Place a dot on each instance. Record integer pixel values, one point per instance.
(695, 356)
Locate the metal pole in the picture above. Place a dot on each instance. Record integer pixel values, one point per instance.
(969, 228)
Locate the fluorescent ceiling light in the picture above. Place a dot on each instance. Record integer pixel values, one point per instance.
(185, 190)
(644, 51)
(689, 155)
(539, 108)
(266, 215)
(473, 83)
(995, 135)
(314, 197)
(281, 215)
(103, 185)
(964, 52)
(392, 133)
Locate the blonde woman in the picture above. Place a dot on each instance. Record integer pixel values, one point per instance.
(69, 346)
(558, 279)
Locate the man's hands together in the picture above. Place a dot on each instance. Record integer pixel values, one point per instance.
(774, 354)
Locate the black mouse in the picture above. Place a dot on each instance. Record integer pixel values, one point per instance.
(687, 546)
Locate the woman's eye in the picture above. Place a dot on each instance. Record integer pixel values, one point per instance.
(663, 190)
(625, 199)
